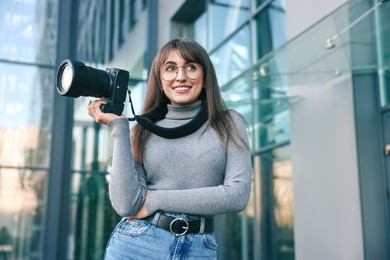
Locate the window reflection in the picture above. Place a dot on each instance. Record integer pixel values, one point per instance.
(92, 218)
(200, 33)
(25, 124)
(22, 206)
(225, 17)
(270, 28)
(25, 118)
(273, 197)
(384, 59)
(233, 56)
(26, 34)
(283, 204)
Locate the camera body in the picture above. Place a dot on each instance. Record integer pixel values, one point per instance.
(75, 79)
(116, 97)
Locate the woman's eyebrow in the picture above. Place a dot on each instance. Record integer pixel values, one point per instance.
(170, 62)
(175, 63)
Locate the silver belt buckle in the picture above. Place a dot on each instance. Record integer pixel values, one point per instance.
(185, 226)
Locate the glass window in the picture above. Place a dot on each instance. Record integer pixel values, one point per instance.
(225, 17)
(191, 21)
(238, 96)
(25, 126)
(25, 119)
(92, 217)
(233, 57)
(196, 30)
(384, 53)
(259, 2)
(23, 196)
(270, 28)
(136, 7)
(274, 214)
(200, 34)
(26, 34)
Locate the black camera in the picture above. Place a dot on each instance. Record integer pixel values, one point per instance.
(75, 79)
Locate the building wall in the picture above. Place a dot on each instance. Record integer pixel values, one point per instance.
(302, 14)
(327, 211)
(328, 222)
(134, 47)
(166, 11)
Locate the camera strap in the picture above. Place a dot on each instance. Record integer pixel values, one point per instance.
(148, 122)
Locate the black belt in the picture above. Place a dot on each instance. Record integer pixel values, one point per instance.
(181, 226)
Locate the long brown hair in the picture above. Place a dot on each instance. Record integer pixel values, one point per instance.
(219, 117)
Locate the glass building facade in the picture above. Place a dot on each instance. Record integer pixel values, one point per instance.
(27, 60)
(55, 160)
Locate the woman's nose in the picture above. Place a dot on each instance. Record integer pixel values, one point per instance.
(181, 75)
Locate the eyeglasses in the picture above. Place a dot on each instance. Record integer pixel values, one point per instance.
(192, 70)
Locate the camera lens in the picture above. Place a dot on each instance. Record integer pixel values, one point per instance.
(66, 78)
(74, 79)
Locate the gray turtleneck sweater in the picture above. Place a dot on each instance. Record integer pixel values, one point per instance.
(194, 174)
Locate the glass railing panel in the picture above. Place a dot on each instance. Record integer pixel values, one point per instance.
(320, 54)
(312, 56)
(264, 108)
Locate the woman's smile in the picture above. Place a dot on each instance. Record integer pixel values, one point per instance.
(182, 88)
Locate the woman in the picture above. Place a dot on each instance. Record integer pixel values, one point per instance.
(187, 160)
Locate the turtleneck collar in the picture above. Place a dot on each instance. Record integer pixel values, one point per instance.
(197, 113)
(183, 112)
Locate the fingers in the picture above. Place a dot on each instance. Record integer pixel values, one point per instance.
(96, 103)
(94, 107)
(95, 111)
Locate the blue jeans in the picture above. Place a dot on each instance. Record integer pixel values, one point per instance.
(138, 239)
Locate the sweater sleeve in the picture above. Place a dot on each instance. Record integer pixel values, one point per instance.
(231, 196)
(127, 186)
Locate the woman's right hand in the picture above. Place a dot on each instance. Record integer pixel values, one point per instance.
(142, 212)
(95, 111)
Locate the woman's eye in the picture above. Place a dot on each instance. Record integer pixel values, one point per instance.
(170, 68)
(191, 67)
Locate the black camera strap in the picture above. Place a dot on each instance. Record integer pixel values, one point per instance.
(148, 121)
